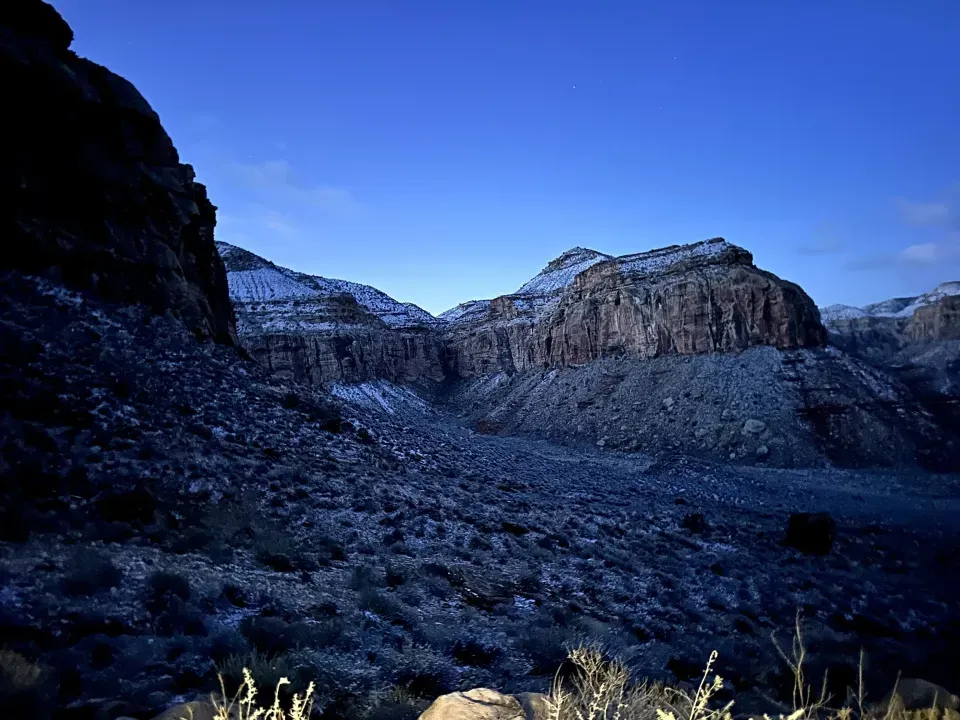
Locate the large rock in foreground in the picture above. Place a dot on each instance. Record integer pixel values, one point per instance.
(486, 704)
(94, 193)
(691, 299)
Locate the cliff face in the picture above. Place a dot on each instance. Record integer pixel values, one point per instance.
(321, 330)
(95, 194)
(939, 321)
(687, 300)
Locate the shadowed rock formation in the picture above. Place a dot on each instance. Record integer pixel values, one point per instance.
(95, 194)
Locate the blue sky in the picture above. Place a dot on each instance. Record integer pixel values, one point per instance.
(445, 150)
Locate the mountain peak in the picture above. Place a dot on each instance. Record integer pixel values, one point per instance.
(561, 271)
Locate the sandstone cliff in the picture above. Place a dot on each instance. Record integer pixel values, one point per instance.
(94, 193)
(691, 299)
(321, 330)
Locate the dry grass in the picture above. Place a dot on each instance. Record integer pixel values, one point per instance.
(243, 704)
(601, 689)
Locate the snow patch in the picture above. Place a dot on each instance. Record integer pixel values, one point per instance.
(561, 272)
(378, 395)
(663, 259)
(840, 312)
(903, 307)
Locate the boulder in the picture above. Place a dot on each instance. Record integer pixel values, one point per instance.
(811, 533)
(486, 704)
(196, 710)
(917, 694)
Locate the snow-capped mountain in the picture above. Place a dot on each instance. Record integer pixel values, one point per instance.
(255, 281)
(544, 290)
(902, 307)
(559, 273)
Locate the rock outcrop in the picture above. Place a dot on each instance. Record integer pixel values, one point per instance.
(94, 192)
(313, 328)
(687, 300)
(915, 339)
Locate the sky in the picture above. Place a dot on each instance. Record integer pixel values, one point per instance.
(446, 150)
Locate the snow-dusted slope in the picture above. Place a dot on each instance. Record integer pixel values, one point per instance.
(254, 280)
(561, 272)
(663, 259)
(840, 312)
(543, 291)
(903, 307)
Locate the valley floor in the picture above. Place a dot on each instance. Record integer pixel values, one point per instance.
(179, 509)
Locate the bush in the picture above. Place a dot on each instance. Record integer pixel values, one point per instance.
(163, 587)
(473, 652)
(91, 572)
(24, 688)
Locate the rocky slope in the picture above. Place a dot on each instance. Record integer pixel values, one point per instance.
(94, 193)
(313, 328)
(690, 299)
(916, 339)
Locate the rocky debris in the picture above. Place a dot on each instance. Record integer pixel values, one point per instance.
(449, 558)
(812, 533)
(485, 704)
(96, 196)
(796, 408)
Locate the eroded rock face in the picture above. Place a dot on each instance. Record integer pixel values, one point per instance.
(95, 194)
(306, 327)
(939, 321)
(693, 299)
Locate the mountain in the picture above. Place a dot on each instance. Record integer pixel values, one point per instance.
(903, 307)
(265, 294)
(685, 347)
(915, 339)
(325, 330)
(683, 299)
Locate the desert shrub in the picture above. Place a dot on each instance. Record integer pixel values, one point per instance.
(24, 688)
(397, 704)
(226, 643)
(273, 636)
(89, 572)
(242, 704)
(470, 651)
(277, 549)
(386, 606)
(423, 674)
(395, 576)
(364, 577)
(546, 648)
(163, 587)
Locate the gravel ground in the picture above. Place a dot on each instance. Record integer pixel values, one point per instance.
(385, 544)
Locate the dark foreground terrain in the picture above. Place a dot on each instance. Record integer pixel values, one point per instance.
(169, 509)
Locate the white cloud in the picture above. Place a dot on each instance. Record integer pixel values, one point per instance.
(278, 176)
(927, 214)
(924, 253)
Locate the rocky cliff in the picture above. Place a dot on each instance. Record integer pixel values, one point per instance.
(691, 299)
(94, 192)
(321, 330)
(915, 339)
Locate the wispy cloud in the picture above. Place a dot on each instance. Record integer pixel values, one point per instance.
(925, 214)
(920, 255)
(822, 247)
(278, 176)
